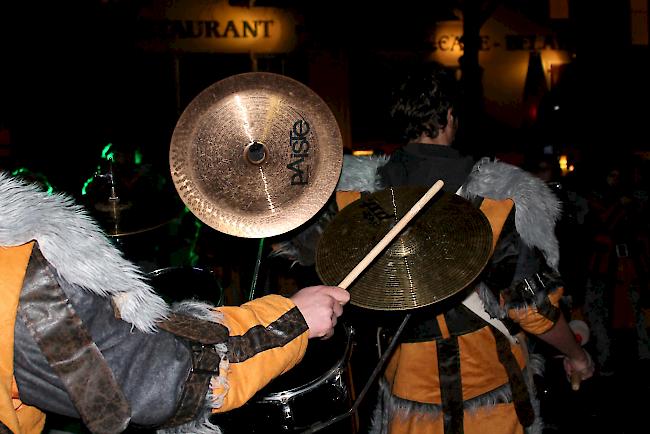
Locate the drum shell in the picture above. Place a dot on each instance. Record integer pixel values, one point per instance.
(303, 396)
(186, 283)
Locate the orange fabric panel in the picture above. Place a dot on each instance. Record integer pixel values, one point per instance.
(479, 364)
(531, 321)
(442, 324)
(413, 371)
(247, 377)
(416, 376)
(500, 419)
(497, 212)
(20, 418)
(345, 198)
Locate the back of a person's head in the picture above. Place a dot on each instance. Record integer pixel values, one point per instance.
(422, 100)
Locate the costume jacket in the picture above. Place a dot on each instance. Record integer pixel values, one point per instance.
(85, 335)
(453, 368)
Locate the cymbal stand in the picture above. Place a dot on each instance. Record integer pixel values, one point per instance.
(256, 271)
(380, 365)
(113, 199)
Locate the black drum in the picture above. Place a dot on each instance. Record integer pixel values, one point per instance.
(316, 390)
(187, 283)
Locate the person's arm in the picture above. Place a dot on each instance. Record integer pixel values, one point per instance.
(578, 365)
(545, 320)
(268, 336)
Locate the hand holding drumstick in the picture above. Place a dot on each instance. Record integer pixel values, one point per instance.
(322, 305)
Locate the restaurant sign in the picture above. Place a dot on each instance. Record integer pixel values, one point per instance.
(215, 26)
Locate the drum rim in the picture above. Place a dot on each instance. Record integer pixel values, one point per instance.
(157, 272)
(286, 395)
(151, 276)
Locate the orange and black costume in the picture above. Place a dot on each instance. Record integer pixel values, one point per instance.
(83, 334)
(454, 372)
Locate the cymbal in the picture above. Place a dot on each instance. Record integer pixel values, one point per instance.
(122, 218)
(437, 255)
(256, 155)
(123, 209)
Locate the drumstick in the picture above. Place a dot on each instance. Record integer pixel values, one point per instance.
(576, 378)
(390, 236)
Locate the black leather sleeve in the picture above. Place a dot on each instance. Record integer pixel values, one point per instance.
(151, 369)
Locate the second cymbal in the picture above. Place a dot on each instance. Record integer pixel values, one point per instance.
(437, 255)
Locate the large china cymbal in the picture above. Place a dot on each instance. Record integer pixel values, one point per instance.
(256, 155)
(437, 255)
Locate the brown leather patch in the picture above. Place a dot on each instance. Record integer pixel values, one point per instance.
(257, 339)
(194, 329)
(68, 347)
(205, 364)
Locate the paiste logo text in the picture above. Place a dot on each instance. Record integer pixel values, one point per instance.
(299, 152)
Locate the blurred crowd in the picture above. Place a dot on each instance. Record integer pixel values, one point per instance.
(603, 234)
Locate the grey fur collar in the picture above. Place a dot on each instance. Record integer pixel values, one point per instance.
(537, 209)
(77, 248)
(360, 173)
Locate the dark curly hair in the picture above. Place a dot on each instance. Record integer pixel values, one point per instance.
(421, 101)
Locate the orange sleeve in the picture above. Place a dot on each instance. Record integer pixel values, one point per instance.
(531, 320)
(247, 377)
(16, 416)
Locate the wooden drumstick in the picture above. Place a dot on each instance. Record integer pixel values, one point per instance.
(390, 236)
(576, 379)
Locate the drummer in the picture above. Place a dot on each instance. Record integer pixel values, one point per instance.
(86, 336)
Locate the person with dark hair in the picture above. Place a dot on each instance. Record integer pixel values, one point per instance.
(425, 112)
(84, 334)
(461, 365)
(465, 367)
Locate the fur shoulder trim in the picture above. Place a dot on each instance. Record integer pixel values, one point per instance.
(537, 209)
(77, 248)
(360, 173)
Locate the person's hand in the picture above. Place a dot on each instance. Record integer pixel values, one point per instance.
(321, 306)
(578, 369)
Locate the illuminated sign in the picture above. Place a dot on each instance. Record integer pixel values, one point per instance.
(447, 42)
(215, 26)
(507, 40)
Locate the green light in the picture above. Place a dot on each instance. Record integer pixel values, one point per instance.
(86, 184)
(137, 158)
(108, 155)
(89, 181)
(39, 177)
